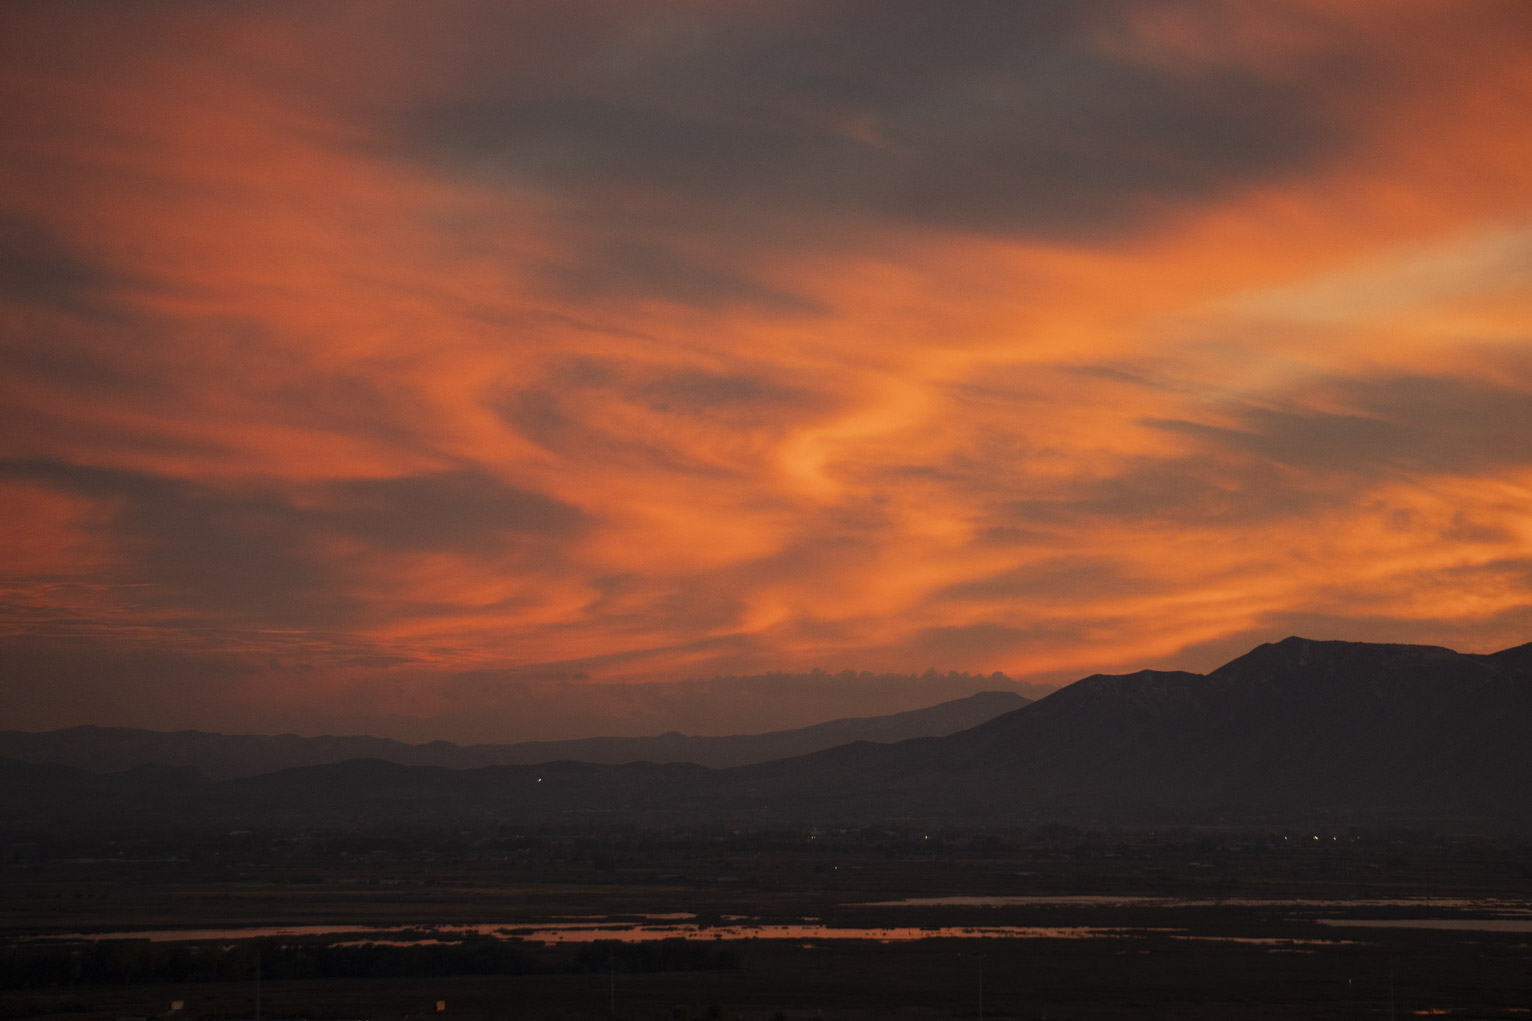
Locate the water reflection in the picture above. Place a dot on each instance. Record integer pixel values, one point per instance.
(1498, 905)
(625, 931)
(814, 931)
(1458, 924)
(808, 931)
(1513, 916)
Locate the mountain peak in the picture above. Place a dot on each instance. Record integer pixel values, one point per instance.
(1149, 691)
(1295, 655)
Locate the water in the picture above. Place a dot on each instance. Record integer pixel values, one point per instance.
(1497, 915)
(624, 931)
(1454, 924)
(1500, 906)
(806, 931)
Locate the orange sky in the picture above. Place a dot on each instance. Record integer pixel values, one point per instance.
(494, 371)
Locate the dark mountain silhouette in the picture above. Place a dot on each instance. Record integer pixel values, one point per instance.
(1298, 728)
(230, 756)
(1296, 731)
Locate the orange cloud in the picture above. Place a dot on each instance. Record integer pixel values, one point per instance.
(349, 353)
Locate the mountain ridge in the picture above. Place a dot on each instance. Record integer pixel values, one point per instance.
(1290, 724)
(1293, 732)
(231, 756)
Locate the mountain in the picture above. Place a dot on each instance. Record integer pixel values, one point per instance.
(1294, 729)
(231, 756)
(721, 752)
(1294, 732)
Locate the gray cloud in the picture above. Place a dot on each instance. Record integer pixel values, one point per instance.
(1064, 579)
(556, 422)
(691, 392)
(627, 269)
(1434, 424)
(563, 411)
(464, 511)
(782, 122)
(185, 546)
(1178, 492)
(1288, 458)
(38, 268)
(259, 554)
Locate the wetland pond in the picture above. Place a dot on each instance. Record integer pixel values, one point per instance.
(1487, 915)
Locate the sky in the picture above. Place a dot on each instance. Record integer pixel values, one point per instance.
(493, 371)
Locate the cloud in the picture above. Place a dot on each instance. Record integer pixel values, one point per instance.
(989, 641)
(990, 119)
(420, 359)
(269, 556)
(182, 546)
(464, 511)
(1401, 425)
(38, 268)
(1176, 492)
(1055, 579)
(649, 415)
(1503, 629)
(690, 391)
(616, 269)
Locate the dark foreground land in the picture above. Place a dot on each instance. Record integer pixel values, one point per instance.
(1188, 924)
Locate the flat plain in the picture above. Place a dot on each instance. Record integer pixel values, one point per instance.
(1057, 922)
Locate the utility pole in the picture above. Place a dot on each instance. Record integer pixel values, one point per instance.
(257, 983)
(612, 971)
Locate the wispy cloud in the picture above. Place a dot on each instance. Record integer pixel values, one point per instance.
(385, 361)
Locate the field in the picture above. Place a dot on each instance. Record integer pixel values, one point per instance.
(1106, 924)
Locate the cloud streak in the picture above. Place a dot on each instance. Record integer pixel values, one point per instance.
(362, 362)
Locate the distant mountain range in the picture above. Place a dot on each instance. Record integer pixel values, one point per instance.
(1296, 729)
(1293, 732)
(230, 756)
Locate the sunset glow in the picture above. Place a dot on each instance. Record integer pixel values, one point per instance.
(496, 371)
